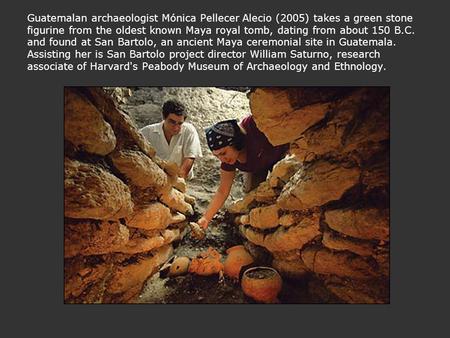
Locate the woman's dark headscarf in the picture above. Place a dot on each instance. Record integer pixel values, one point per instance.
(225, 133)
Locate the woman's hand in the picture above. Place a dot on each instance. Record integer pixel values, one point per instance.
(226, 181)
(203, 222)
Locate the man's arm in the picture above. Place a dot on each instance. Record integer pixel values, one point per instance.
(186, 167)
(191, 151)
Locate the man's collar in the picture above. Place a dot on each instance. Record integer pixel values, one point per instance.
(159, 128)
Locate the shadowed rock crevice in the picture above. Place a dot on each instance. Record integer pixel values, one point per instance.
(340, 138)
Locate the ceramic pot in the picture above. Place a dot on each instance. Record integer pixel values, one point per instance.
(262, 283)
(236, 259)
(179, 266)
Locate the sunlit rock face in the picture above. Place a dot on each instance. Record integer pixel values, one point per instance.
(325, 212)
(122, 211)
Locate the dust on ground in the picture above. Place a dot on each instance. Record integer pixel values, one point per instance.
(194, 289)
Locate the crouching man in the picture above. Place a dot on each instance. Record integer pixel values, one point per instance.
(174, 139)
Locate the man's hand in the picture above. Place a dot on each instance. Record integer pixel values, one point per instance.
(186, 167)
(203, 222)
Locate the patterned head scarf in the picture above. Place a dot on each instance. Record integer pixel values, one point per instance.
(222, 134)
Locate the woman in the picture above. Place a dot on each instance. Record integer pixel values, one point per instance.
(242, 147)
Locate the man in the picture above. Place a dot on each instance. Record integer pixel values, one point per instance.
(174, 139)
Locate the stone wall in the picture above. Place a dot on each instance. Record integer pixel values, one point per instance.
(324, 210)
(123, 207)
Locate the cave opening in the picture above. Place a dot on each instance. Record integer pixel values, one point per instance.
(314, 230)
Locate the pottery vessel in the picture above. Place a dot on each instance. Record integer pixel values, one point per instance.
(237, 257)
(262, 283)
(179, 266)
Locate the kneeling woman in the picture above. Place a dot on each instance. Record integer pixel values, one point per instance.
(242, 147)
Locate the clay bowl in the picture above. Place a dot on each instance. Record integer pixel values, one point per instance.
(236, 259)
(262, 283)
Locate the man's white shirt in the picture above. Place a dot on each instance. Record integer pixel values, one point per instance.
(185, 144)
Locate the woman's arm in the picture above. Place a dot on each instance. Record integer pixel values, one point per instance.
(226, 181)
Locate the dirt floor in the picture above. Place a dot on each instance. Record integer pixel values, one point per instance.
(206, 106)
(194, 289)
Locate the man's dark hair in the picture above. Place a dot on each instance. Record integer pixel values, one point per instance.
(173, 107)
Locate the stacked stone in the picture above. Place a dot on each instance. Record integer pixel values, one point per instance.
(123, 206)
(326, 212)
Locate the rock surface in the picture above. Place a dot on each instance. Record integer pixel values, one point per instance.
(150, 217)
(93, 238)
(116, 231)
(329, 209)
(85, 127)
(139, 169)
(317, 184)
(360, 223)
(92, 192)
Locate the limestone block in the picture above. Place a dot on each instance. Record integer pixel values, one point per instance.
(174, 199)
(319, 141)
(128, 297)
(92, 192)
(142, 197)
(287, 220)
(326, 262)
(135, 272)
(242, 219)
(84, 279)
(85, 127)
(291, 255)
(189, 199)
(358, 121)
(276, 114)
(264, 217)
(317, 184)
(265, 193)
(93, 238)
(294, 269)
(126, 132)
(180, 184)
(242, 205)
(151, 240)
(376, 175)
(294, 237)
(372, 122)
(383, 260)
(375, 291)
(283, 171)
(177, 218)
(139, 169)
(335, 242)
(170, 168)
(360, 223)
(151, 216)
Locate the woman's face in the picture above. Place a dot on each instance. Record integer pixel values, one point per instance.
(228, 154)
